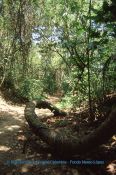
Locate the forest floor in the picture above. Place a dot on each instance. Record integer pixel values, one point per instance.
(14, 132)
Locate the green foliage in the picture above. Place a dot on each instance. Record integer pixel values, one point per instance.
(66, 102)
(31, 89)
(50, 85)
(59, 46)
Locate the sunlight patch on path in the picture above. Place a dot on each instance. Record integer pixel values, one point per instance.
(11, 128)
(4, 148)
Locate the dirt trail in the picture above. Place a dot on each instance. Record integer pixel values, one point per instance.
(11, 127)
(12, 137)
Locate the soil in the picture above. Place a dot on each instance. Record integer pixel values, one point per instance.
(14, 133)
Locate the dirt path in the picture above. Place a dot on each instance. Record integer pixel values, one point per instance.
(11, 128)
(12, 137)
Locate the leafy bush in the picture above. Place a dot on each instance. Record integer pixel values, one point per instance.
(31, 88)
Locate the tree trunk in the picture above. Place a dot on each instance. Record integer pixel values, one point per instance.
(63, 144)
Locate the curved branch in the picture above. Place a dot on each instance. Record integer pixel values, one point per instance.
(65, 145)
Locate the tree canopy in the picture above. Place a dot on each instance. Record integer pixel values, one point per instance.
(62, 46)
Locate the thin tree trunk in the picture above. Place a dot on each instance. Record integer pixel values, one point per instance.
(88, 65)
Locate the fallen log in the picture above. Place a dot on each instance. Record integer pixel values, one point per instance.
(51, 107)
(63, 144)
